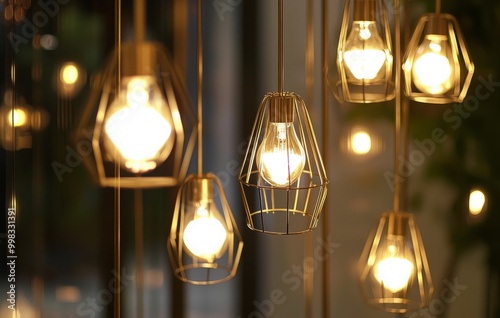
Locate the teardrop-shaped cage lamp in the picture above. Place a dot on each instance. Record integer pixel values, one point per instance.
(204, 244)
(283, 179)
(364, 54)
(395, 275)
(437, 65)
(138, 117)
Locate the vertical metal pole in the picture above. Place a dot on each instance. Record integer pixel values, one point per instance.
(117, 216)
(139, 252)
(326, 159)
(308, 238)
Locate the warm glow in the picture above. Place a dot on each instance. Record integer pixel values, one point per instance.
(432, 70)
(280, 157)
(394, 266)
(205, 236)
(69, 74)
(364, 52)
(18, 118)
(69, 294)
(364, 64)
(137, 129)
(477, 199)
(361, 143)
(394, 273)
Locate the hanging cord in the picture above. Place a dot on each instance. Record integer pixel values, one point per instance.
(139, 20)
(397, 87)
(199, 81)
(281, 71)
(438, 6)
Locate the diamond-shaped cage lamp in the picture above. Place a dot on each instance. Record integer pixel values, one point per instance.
(204, 244)
(283, 180)
(395, 275)
(437, 66)
(364, 54)
(138, 118)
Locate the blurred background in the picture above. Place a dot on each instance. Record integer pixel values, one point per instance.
(64, 236)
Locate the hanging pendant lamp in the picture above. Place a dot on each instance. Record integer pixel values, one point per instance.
(395, 275)
(204, 244)
(437, 66)
(138, 117)
(364, 54)
(283, 180)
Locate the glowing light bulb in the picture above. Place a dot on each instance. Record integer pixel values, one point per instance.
(17, 117)
(364, 52)
(137, 126)
(432, 70)
(394, 269)
(477, 199)
(69, 74)
(280, 156)
(361, 143)
(204, 235)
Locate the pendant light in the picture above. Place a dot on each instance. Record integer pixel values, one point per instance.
(19, 121)
(437, 66)
(364, 54)
(394, 272)
(204, 244)
(142, 122)
(283, 180)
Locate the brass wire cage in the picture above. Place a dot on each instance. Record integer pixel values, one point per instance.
(364, 54)
(294, 206)
(438, 34)
(395, 275)
(149, 60)
(198, 252)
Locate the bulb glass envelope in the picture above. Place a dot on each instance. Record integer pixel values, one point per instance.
(283, 180)
(437, 66)
(205, 244)
(395, 275)
(364, 54)
(152, 145)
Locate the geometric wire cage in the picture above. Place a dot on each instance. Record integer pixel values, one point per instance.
(283, 180)
(204, 244)
(364, 54)
(395, 275)
(138, 117)
(437, 66)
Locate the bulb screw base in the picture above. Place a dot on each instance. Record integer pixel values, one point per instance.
(200, 189)
(281, 108)
(138, 58)
(396, 224)
(364, 10)
(437, 25)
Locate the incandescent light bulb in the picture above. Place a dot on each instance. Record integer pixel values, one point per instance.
(280, 156)
(138, 129)
(394, 268)
(204, 235)
(433, 71)
(364, 52)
